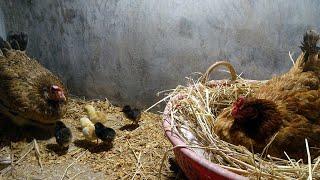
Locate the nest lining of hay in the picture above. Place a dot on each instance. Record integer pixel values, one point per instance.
(193, 110)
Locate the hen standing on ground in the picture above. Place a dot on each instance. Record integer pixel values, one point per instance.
(29, 93)
(288, 105)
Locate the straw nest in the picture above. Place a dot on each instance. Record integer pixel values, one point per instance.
(193, 110)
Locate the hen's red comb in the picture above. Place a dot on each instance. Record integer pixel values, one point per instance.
(236, 105)
(240, 101)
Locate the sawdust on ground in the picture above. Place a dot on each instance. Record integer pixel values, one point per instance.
(136, 153)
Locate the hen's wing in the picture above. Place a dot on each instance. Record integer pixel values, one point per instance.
(292, 137)
(306, 104)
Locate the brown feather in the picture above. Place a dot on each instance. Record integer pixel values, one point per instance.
(291, 108)
(23, 81)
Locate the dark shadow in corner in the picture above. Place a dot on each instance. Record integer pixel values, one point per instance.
(129, 127)
(93, 147)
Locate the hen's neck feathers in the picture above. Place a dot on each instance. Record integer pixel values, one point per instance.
(264, 124)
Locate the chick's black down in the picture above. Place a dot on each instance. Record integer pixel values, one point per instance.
(63, 134)
(106, 134)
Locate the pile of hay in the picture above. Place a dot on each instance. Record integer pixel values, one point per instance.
(193, 110)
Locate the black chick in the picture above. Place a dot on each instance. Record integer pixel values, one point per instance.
(132, 114)
(63, 135)
(106, 134)
(18, 41)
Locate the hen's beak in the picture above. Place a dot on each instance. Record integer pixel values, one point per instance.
(57, 94)
(60, 96)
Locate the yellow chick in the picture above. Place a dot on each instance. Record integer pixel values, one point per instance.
(88, 129)
(95, 116)
(84, 122)
(91, 112)
(89, 133)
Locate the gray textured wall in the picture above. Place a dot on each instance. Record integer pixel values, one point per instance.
(2, 25)
(127, 50)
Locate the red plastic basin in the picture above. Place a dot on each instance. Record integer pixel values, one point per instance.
(194, 166)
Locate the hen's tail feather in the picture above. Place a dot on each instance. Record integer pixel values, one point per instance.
(14, 44)
(4, 47)
(20, 39)
(4, 44)
(309, 44)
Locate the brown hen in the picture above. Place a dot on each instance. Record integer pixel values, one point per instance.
(287, 107)
(29, 93)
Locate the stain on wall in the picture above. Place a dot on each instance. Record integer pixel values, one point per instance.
(128, 50)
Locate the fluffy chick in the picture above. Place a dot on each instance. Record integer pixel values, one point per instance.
(106, 134)
(132, 114)
(63, 135)
(88, 129)
(84, 122)
(95, 116)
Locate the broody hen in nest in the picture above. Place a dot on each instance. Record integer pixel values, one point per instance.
(29, 93)
(286, 107)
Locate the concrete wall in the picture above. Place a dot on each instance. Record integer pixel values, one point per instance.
(127, 50)
(2, 25)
